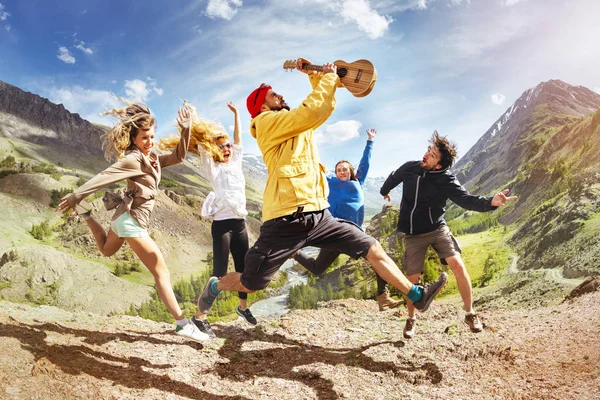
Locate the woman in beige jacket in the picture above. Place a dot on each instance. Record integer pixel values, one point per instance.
(131, 141)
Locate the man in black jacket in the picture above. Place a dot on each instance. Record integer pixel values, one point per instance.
(427, 186)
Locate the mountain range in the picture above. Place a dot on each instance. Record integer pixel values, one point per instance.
(544, 148)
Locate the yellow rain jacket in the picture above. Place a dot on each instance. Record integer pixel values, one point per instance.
(285, 138)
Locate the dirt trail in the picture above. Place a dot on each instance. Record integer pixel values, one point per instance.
(345, 349)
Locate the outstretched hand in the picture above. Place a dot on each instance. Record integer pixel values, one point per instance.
(64, 206)
(500, 199)
(387, 197)
(184, 115)
(232, 107)
(371, 133)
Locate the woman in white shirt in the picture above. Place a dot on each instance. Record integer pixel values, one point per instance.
(226, 204)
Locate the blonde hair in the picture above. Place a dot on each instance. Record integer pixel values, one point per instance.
(130, 120)
(204, 134)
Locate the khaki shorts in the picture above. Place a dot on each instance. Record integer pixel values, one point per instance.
(442, 241)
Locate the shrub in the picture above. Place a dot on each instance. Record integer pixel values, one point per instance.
(56, 195)
(41, 231)
(8, 162)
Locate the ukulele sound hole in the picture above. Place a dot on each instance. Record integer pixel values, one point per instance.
(342, 72)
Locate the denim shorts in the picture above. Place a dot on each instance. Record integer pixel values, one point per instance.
(127, 227)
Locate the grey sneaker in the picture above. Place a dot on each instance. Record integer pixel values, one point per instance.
(409, 328)
(430, 291)
(207, 298)
(474, 322)
(190, 331)
(247, 315)
(204, 327)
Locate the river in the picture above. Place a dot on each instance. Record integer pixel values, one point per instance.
(276, 305)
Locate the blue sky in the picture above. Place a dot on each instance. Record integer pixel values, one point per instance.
(450, 65)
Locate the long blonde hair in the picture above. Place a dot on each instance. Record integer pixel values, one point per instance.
(130, 120)
(204, 134)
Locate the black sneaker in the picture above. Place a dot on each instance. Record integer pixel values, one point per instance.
(430, 291)
(247, 315)
(204, 327)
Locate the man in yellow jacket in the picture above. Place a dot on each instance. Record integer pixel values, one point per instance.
(295, 208)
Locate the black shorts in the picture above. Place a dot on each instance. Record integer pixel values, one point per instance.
(281, 237)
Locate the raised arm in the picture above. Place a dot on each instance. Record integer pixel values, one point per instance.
(237, 125)
(365, 161)
(184, 120)
(312, 113)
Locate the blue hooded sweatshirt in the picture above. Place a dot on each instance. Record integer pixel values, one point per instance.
(346, 198)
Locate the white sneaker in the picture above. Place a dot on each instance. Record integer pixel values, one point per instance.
(190, 331)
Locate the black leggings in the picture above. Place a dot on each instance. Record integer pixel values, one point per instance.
(229, 235)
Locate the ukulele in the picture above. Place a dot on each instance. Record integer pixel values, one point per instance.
(358, 77)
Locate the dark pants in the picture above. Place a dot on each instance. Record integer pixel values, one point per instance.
(229, 235)
(324, 260)
(281, 237)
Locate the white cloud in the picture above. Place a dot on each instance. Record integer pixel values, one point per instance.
(86, 50)
(154, 87)
(225, 9)
(3, 14)
(498, 98)
(511, 2)
(65, 56)
(87, 103)
(137, 90)
(422, 4)
(367, 19)
(360, 12)
(7, 28)
(597, 89)
(458, 2)
(340, 132)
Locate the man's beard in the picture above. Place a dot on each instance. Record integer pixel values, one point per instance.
(282, 106)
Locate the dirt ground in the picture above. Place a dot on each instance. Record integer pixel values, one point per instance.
(345, 349)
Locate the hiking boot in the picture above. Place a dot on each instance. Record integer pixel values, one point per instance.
(430, 291)
(385, 301)
(204, 327)
(207, 298)
(247, 315)
(409, 328)
(190, 331)
(474, 322)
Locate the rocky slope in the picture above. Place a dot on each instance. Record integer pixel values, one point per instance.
(345, 349)
(32, 118)
(546, 149)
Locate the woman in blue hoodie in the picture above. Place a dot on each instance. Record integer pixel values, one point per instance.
(347, 202)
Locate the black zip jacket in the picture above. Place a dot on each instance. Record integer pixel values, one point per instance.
(424, 197)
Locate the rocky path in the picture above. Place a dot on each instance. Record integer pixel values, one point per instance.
(345, 349)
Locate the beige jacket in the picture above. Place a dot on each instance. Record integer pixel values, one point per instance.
(295, 175)
(142, 180)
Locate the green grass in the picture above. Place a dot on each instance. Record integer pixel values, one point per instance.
(476, 248)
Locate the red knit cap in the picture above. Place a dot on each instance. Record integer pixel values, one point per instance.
(256, 99)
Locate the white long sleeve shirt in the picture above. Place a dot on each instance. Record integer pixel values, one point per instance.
(228, 199)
